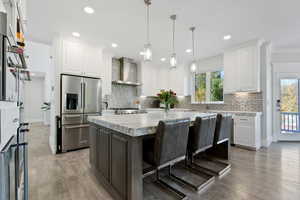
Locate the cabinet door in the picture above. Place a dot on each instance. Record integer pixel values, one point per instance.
(73, 58)
(103, 153)
(244, 131)
(231, 72)
(93, 131)
(93, 62)
(84, 136)
(248, 69)
(119, 166)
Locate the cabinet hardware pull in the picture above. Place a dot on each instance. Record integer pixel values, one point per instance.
(80, 126)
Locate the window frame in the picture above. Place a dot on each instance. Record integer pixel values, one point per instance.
(208, 87)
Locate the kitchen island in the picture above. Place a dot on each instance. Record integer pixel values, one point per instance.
(116, 149)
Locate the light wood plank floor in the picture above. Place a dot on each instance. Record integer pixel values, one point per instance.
(269, 174)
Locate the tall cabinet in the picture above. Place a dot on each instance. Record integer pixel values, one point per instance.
(242, 68)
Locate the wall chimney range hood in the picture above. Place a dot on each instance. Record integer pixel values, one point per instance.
(128, 73)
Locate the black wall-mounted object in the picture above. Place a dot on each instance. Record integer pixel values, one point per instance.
(3, 33)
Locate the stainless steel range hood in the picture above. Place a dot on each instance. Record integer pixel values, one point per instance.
(128, 73)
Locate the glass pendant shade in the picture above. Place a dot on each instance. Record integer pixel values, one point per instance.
(193, 66)
(173, 60)
(147, 52)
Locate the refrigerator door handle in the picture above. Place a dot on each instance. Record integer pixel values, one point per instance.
(81, 91)
(83, 96)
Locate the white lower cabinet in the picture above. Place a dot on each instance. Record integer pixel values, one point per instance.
(247, 131)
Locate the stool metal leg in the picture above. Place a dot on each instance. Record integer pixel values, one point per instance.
(196, 187)
(164, 184)
(225, 166)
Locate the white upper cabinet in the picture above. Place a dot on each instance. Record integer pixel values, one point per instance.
(73, 58)
(79, 59)
(93, 62)
(231, 71)
(242, 68)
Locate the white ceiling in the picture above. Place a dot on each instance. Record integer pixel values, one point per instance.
(123, 22)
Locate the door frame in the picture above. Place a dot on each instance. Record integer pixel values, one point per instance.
(277, 136)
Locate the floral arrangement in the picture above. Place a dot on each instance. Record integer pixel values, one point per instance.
(168, 98)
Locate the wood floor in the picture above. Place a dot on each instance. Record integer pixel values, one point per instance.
(269, 174)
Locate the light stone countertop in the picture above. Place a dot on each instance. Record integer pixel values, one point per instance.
(136, 125)
(240, 113)
(172, 109)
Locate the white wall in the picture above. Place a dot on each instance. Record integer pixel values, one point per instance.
(39, 62)
(266, 81)
(33, 100)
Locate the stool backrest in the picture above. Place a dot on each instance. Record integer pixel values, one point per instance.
(223, 128)
(171, 140)
(202, 136)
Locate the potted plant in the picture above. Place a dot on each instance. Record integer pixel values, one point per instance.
(168, 98)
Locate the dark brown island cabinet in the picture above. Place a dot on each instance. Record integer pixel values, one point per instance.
(116, 161)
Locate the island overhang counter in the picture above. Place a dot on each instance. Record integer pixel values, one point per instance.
(116, 149)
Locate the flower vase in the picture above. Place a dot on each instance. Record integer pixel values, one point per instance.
(167, 108)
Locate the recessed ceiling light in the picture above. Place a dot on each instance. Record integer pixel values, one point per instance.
(188, 50)
(76, 34)
(114, 45)
(227, 37)
(88, 10)
(163, 59)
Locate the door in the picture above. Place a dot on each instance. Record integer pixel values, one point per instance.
(287, 115)
(71, 94)
(92, 95)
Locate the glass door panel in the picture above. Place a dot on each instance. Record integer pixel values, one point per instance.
(289, 106)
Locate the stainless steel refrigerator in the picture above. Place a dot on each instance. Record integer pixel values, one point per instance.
(80, 97)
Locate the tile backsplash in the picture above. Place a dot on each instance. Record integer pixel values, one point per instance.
(252, 102)
(122, 96)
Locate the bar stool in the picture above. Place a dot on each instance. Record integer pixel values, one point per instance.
(220, 148)
(169, 147)
(200, 139)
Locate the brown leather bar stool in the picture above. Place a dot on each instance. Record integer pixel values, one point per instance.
(201, 137)
(168, 148)
(220, 148)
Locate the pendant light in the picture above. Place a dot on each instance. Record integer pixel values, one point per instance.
(194, 63)
(147, 53)
(173, 59)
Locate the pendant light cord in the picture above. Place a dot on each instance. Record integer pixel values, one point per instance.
(148, 40)
(193, 44)
(173, 35)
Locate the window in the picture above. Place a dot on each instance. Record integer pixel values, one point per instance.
(209, 87)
